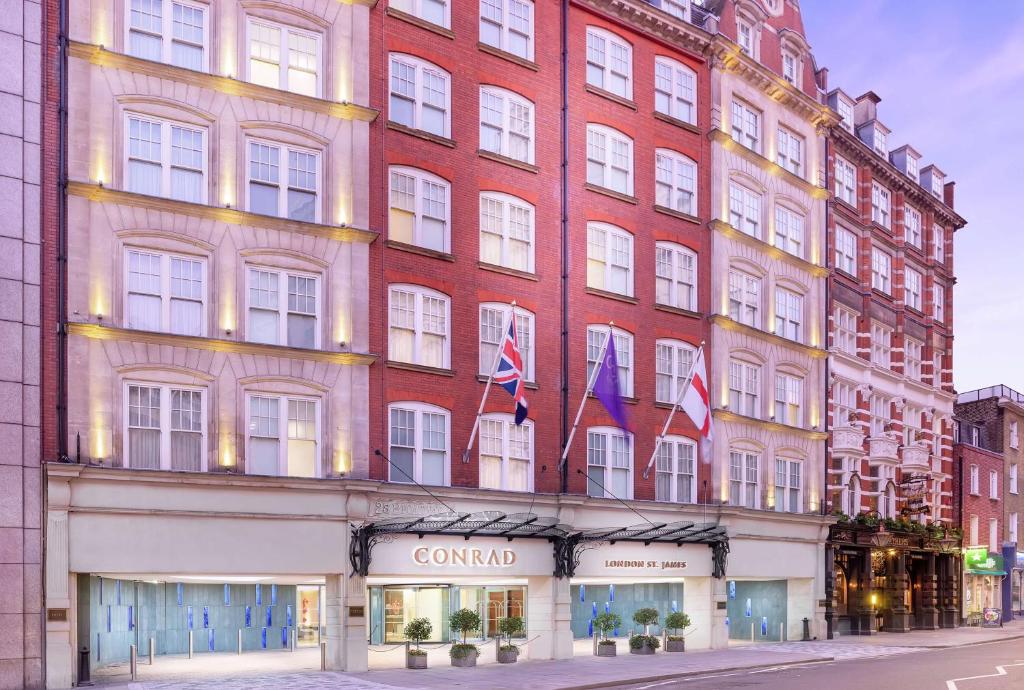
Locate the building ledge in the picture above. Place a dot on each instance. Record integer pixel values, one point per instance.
(677, 214)
(615, 98)
(730, 325)
(499, 158)
(729, 416)
(598, 189)
(505, 55)
(422, 251)
(421, 134)
(676, 122)
(771, 250)
(421, 23)
(730, 144)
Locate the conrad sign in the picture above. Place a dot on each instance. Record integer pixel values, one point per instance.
(467, 556)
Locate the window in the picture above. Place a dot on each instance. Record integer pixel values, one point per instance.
(789, 394)
(880, 205)
(296, 196)
(279, 450)
(506, 453)
(879, 408)
(912, 171)
(993, 534)
(744, 484)
(1014, 436)
(881, 344)
(1013, 477)
(418, 326)
(677, 8)
(493, 326)
(673, 360)
(433, 11)
(596, 337)
(746, 125)
(844, 402)
(184, 45)
(790, 151)
(419, 213)
(887, 497)
(609, 62)
(745, 210)
(846, 181)
(912, 431)
(845, 111)
(745, 388)
(912, 227)
(609, 159)
(881, 148)
(912, 354)
(675, 269)
(419, 95)
(165, 293)
(744, 298)
(993, 484)
(166, 428)
(745, 37)
(506, 124)
(283, 57)
(790, 67)
(419, 446)
(938, 243)
(506, 231)
(675, 182)
(974, 529)
(675, 90)
(939, 301)
(936, 184)
(846, 251)
(675, 477)
(974, 480)
(276, 321)
(609, 463)
(881, 271)
(165, 159)
(937, 357)
(609, 258)
(1012, 519)
(912, 288)
(508, 25)
(789, 231)
(788, 486)
(789, 313)
(845, 330)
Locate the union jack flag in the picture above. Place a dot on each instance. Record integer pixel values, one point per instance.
(509, 374)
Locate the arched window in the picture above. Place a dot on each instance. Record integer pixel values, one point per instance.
(419, 211)
(506, 124)
(609, 159)
(675, 270)
(420, 95)
(675, 90)
(675, 182)
(609, 258)
(673, 361)
(676, 470)
(596, 337)
(493, 325)
(418, 326)
(609, 462)
(507, 231)
(609, 62)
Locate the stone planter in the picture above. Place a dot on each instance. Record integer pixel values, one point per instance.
(507, 656)
(467, 661)
(415, 660)
(675, 646)
(642, 649)
(606, 649)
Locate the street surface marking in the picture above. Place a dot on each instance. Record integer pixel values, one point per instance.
(1000, 671)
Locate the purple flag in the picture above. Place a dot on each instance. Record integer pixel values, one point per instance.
(606, 385)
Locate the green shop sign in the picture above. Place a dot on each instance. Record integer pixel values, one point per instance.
(978, 561)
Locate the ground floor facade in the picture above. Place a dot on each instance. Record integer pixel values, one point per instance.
(227, 564)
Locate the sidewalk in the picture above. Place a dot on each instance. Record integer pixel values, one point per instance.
(940, 639)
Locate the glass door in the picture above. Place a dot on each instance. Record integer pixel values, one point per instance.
(308, 623)
(403, 604)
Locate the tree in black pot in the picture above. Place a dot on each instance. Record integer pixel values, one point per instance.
(644, 643)
(417, 630)
(604, 623)
(508, 628)
(463, 653)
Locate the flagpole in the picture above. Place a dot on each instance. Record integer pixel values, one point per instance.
(672, 412)
(487, 387)
(590, 384)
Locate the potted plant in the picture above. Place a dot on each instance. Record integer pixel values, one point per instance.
(417, 630)
(604, 623)
(644, 643)
(677, 622)
(464, 654)
(508, 628)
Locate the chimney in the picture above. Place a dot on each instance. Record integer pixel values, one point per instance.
(821, 76)
(947, 192)
(866, 108)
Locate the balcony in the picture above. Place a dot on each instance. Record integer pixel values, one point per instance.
(883, 448)
(847, 440)
(915, 458)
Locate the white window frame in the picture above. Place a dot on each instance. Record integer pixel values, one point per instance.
(845, 329)
(526, 334)
(912, 357)
(879, 142)
(745, 388)
(672, 462)
(881, 270)
(505, 129)
(745, 294)
(912, 227)
(624, 354)
(913, 288)
(881, 205)
(675, 177)
(789, 477)
(509, 204)
(975, 480)
(420, 292)
(789, 399)
(993, 484)
(166, 142)
(418, 410)
(1014, 435)
(605, 256)
(673, 360)
(789, 314)
(420, 68)
(937, 356)
(745, 479)
(1014, 472)
(421, 205)
(283, 424)
(284, 53)
(939, 302)
(846, 181)
(746, 124)
(745, 36)
(789, 231)
(912, 168)
(165, 421)
(846, 251)
(508, 427)
(675, 275)
(745, 210)
(844, 403)
(938, 243)
(878, 411)
(609, 435)
(675, 85)
(282, 303)
(598, 62)
(937, 184)
(602, 143)
(789, 151)
(284, 183)
(680, 9)
(165, 295)
(791, 67)
(881, 344)
(415, 9)
(166, 34)
(845, 111)
(504, 24)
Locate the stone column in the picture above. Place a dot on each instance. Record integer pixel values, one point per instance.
(548, 618)
(718, 599)
(898, 618)
(346, 634)
(928, 616)
(862, 622)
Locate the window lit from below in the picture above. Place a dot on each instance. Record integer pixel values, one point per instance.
(288, 449)
(419, 444)
(165, 159)
(744, 482)
(166, 428)
(789, 231)
(276, 319)
(745, 210)
(789, 392)
(506, 453)
(284, 57)
(418, 326)
(165, 293)
(292, 193)
(789, 152)
(508, 25)
(789, 314)
(746, 125)
(168, 31)
(744, 298)
(675, 478)
(745, 388)
(788, 486)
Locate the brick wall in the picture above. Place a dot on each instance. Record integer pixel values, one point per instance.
(980, 504)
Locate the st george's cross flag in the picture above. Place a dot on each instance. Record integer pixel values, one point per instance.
(509, 374)
(696, 404)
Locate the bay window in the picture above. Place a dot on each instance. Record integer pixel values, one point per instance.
(506, 453)
(675, 478)
(609, 258)
(418, 209)
(275, 320)
(294, 195)
(420, 96)
(165, 427)
(675, 270)
(609, 463)
(418, 326)
(169, 31)
(419, 444)
(165, 292)
(165, 159)
(284, 57)
(286, 447)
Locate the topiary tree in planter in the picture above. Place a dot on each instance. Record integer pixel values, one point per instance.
(677, 622)
(644, 643)
(462, 653)
(508, 628)
(604, 623)
(417, 630)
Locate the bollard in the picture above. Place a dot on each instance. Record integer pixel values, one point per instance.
(782, 632)
(191, 645)
(133, 661)
(292, 640)
(595, 643)
(751, 632)
(84, 679)
(323, 656)
(152, 650)
(239, 640)
(807, 630)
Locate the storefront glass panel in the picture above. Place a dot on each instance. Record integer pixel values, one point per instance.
(588, 600)
(392, 607)
(310, 616)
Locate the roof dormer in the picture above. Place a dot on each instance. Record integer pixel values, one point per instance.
(840, 102)
(934, 180)
(907, 159)
(875, 134)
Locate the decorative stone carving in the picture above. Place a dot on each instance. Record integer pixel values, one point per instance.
(847, 440)
(916, 457)
(883, 448)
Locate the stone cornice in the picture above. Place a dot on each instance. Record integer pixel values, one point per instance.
(98, 55)
(729, 324)
(650, 20)
(774, 252)
(96, 331)
(731, 145)
(99, 193)
(728, 416)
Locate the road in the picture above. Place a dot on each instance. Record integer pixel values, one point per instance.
(923, 670)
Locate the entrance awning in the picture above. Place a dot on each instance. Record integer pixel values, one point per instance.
(568, 543)
(985, 572)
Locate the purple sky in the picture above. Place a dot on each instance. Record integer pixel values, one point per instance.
(950, 74)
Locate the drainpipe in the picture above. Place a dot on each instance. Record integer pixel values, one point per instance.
(829, 551)
(565, 241)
